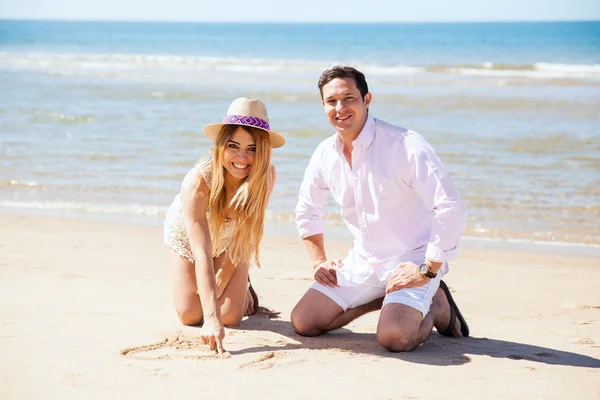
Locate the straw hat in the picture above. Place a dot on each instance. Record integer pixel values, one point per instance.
(247, 112)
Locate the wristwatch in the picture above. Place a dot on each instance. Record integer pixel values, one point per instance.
(425, 270)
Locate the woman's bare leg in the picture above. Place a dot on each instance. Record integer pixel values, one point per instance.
(232, 289)
(233, 301)
(224, 272)
(185, 290)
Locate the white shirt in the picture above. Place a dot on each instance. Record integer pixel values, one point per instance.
(397, 200)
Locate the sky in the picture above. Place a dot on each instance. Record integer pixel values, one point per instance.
(303, 10)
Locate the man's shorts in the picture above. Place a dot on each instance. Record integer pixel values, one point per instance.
(353, 296)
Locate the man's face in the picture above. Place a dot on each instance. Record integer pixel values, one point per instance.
(344, 106)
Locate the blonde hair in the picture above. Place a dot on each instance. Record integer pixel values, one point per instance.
(249, 202)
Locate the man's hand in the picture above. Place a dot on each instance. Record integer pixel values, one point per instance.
(407, 276)
(213, 334)
(325, 272)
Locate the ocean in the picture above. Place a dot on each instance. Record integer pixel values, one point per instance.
(103, 119)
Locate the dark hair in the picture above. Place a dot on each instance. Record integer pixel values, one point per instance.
(340, 71)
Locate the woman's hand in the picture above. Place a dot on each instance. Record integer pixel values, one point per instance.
(213, 334)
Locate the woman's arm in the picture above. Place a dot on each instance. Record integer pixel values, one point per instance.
(195, 197)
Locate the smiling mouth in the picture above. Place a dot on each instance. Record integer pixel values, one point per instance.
(240, 166)
(343, 118)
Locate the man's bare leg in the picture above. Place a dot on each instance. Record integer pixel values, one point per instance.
(316, 313)
(441, 310)
(402, 328)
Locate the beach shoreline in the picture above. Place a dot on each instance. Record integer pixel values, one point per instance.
(333, 231)
(112, 123)
(85, 310)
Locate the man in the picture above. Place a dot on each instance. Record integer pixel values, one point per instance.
(405, 214)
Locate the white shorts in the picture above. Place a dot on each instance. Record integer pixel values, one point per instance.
(353, 296)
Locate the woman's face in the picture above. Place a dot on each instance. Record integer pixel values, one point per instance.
(239, 153)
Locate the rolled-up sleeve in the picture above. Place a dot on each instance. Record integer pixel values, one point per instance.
(311, 199)
(435, 188)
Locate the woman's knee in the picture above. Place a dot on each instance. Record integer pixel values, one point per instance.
(190, 316)
(232, 319)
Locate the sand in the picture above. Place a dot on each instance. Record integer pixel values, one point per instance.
(86, 312)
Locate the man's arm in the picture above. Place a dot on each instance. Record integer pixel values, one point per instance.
(425, 173)
(433, 184)
(324, 270)
(315, 245)
(309, 220)
(311, 199)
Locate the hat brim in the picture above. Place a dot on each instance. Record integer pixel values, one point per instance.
(275, 138)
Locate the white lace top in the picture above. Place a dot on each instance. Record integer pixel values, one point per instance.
(175, 236)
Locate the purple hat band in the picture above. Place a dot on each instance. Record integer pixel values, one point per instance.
(246, 120)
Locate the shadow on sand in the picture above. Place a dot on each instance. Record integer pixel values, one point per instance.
(437, 350)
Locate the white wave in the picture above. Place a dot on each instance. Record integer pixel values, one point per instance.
(571, 68)
(129, 209)
(533, 245)
(148, 62)
(539, 71)
(152, 62)
(152, 66)
(14, 182)
(526, 242)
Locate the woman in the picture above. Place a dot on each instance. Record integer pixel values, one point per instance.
(215, 223)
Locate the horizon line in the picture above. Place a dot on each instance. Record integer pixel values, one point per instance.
(254, 22)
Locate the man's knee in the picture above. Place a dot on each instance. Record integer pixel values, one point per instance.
(395, 340)
(399, 326)
(298, 321)
(302, 323)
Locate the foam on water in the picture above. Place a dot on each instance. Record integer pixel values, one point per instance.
(154, 62)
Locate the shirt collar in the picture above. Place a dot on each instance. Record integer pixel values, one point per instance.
(364, 139)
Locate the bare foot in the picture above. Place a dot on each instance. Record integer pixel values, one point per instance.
(442, 314)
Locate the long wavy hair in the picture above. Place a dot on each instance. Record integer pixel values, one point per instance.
(249, 201)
